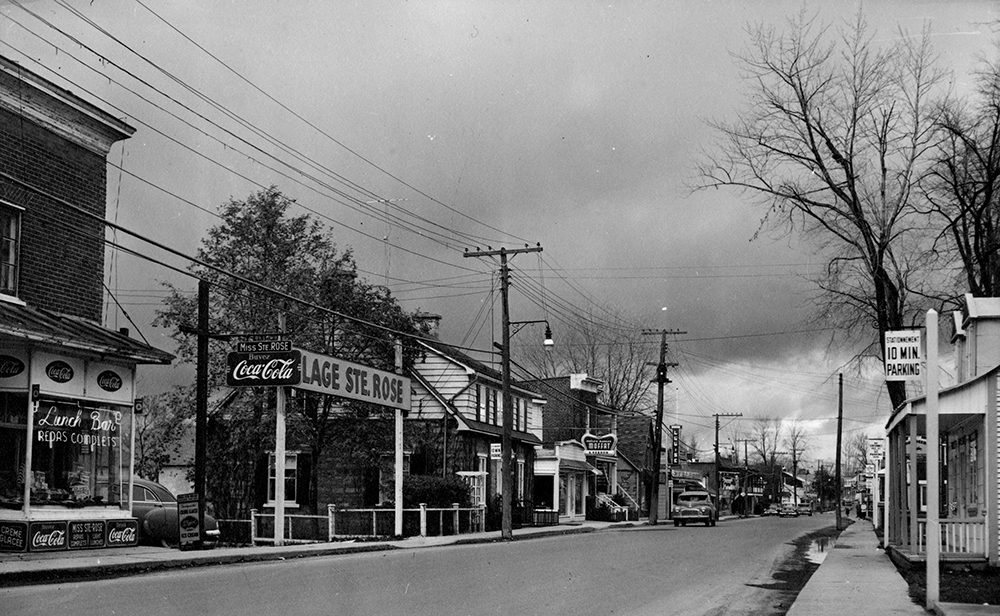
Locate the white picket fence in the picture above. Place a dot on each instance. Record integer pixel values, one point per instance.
(341, 523)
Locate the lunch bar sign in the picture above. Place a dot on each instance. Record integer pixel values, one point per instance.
(320, 373)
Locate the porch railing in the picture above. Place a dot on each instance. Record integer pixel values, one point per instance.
(958, 536)
(349, 523)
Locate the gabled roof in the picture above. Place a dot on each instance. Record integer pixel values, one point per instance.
(36, 325)
(472, 366)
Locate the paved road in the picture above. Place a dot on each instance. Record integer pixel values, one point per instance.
(734, 568)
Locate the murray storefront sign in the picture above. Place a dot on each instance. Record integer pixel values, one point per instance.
(320, 373)
(903, 359)
(605, 445)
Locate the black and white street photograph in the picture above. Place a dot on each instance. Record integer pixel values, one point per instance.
(461, 307)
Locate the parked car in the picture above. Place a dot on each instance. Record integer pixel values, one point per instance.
(805, 508)
(771, 509)
(788, 511)
(694, 506)
(155, 508)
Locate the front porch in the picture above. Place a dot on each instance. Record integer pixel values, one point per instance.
(963, 542)
(968, 463)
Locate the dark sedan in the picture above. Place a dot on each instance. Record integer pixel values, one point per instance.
(156, 509)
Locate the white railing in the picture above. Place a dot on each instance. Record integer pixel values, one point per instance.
(958, 536)
(347, 523)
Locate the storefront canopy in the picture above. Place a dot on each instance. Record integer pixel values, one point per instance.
(34, 325)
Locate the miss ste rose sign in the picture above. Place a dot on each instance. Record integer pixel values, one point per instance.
(285, 366)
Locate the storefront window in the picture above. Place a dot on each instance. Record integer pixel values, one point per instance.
(13, 411)
(80, 454)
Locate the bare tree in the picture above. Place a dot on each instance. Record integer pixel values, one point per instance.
(832, 143)
(857, 453)
(765, 433)
(796, 443)
(596, 344)
(964, 183)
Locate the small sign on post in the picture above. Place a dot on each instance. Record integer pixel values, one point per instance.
(188, 520)
(903, 358)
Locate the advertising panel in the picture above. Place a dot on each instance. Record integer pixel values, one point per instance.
(58, 375)
(188, 520)
(13, 536)
(47, 536)
(121, 533)
(110, 383)
(271, 369)
(86, 534)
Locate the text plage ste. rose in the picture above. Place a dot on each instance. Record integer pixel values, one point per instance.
(330, 375)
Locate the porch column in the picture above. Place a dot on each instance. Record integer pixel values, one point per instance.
(895, 503)
(901, 499)
(913, 489)
(990, 466)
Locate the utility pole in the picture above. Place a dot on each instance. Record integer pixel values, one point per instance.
(661, 381)
(201, 405)
(506, 479)
(746, 475)
(718, 485)
(840, 430)
(795, 475)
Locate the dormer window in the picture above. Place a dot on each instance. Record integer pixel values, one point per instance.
(10, 245)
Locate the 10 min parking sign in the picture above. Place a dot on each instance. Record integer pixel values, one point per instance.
(903, 357)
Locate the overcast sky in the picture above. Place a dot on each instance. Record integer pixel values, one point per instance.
(569, 124)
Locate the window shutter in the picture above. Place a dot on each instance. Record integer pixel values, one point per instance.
(303, 480)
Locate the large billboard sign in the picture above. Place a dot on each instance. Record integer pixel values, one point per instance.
(320, 373)
(329, 375)
(903, 358)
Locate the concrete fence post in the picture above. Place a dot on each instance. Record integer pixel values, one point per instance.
(423, 519)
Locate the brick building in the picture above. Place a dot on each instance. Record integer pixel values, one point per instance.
(65, 475)
(578, 457)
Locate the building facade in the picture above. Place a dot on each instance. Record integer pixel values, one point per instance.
(67, 384)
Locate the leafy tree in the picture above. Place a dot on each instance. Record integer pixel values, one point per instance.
(833, 143)
(157, 430)
(261, 243)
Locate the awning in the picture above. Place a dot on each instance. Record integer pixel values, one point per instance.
(577, 465)
(34, 325)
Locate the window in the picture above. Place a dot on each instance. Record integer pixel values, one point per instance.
(477, 481)
(10, 243)
(387, 475)
(291, 478)
(80, 455)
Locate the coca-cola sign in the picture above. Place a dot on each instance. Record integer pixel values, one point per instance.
(10, 366)
(59, 371)
(109, 381)
(263, 369)
(122, 533)
(47, 536)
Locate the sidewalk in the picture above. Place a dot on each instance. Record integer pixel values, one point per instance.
(857, 577)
